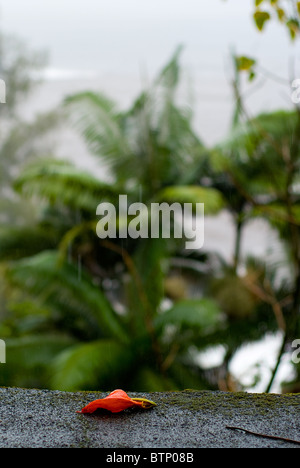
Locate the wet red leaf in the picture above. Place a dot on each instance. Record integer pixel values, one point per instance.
(116, 402)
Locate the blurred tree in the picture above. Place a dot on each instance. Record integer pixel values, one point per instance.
(259, 172)
(121, 312)
(259, 166)
(106, 300)
(21, 141)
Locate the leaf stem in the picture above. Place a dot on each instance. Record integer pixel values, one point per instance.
(266, 436)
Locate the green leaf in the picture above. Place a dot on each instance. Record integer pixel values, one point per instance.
(59, 287)
(258, 2)
(97, 365)
(245, 63)
(253, 151)
(150, 145)
(252, 76)
(212, 198)
(18, 242)
(33, 350)
(145, 288)
(197, 314)
(294, 27)
(281, 14)
(29, 358)
(150, 380)
(260, 18)
(99, 122)
(63, 183)
(169, 76)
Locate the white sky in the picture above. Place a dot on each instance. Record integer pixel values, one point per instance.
(127, 41)
(81, 34)
(22, 12)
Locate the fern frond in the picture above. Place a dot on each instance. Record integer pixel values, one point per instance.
(98, 121)
(67, 291)
(197, 314)
(30, 357)
(62, 183)
(20, 242)
(97, 365)
(192, 194)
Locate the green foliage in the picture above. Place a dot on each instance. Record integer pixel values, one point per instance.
(199, 315)
(30, 358)
(233, 296)
(61, 183)
(246, 64)
(97, 365)
(211, 197)
(260, 18)
(19, 242)
(253, 154)
(108, 313)
(150, 145)
(60, 288)
(286, 12)
(58, 282)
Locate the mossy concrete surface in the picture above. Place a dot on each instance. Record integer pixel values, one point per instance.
(188, 419)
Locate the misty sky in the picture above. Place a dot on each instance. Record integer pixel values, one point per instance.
(122, 34)
(124, 43)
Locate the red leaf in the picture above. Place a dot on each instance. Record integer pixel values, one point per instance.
(116, 402)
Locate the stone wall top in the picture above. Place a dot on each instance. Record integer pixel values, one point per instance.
(188, 419)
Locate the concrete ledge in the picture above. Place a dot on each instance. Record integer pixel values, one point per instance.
(188, 419)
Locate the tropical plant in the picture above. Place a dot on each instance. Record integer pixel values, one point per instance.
(22, 140)
(109, 297)
(257, 171)
(137, 312)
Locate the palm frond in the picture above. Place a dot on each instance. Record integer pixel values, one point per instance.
(66, 291)
(147, 286)
(200, 315)
(211, 198)
(97, 365)
(255, 152)
(30, 357)
(151, 144)
(98, 121)
(169, 77)
(62, 183)
(22, 241)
